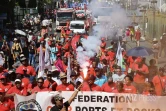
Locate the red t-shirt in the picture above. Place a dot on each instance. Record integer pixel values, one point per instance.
(6, 86)
(37, 89)
(116, 91)
(21, 91)
(108, 88)
(130, 89)
(137, 35)
(25, 82)
(3, 71)
(158, 82)
(30, 70)
(111, 55)
(104, 57)
(93, 87)
(64, 67)
(139, 78)
(91, 71)
(50, 85)
(147, 93)
(130, 61)
(59, 48)
(111, 64)
(67, 54)
(6, 105)
(65, 87)
(31, 86)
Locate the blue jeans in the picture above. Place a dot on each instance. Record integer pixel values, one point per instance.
(32, 59)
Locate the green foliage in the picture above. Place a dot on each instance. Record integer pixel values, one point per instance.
(16, 4)
(48, 1)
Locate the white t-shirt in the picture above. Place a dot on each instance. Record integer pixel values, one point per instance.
(116, 77)
(30, 38)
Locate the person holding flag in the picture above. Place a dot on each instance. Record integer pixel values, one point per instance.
(119, 57)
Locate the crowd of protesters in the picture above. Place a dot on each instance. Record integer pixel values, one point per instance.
(20, 67)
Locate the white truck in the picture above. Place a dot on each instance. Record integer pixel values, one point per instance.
(78, 26)
(63, 16)
(80, 14)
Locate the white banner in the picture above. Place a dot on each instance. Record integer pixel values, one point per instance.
(93, 101)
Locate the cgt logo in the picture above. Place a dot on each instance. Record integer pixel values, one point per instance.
(31, 105)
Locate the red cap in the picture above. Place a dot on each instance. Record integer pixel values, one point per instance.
(102, 38)
(2, 90)
(2, 77)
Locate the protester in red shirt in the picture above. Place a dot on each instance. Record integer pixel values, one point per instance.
(59, 46)
(103, 44)
(17, 89)
(89, 85)
(3, 83)
(149, 89)
(119, 88)
(108, 86)
(128, 87)
(159, 82)
(138, 36)
(2, 70)
(141, 72)
(111, 54)
(49, 83)
(40, 86)
(5, 103)
(105, 56)
(25, 68)
(31, 86)
(64, 86)
(91, 70)
(25, 82)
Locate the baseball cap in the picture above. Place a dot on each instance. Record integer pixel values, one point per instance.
(22, 55)
(23, 59)
(17, 80)
(15, 39)
(58, 97)
(53, 68)
(62, 75)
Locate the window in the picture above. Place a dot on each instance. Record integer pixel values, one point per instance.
(77, 26)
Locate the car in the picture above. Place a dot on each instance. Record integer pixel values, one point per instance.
(78, 26)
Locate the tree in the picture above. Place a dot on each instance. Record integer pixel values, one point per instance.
(48, 1)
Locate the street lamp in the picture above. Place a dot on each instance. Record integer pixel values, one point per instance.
(143, 10)
(26, 3)
(153, 3)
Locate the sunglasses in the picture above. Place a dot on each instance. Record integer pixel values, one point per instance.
(151, 90)
(18, 83)
(63, 78)
(59, 100)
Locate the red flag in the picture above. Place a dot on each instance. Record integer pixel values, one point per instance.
(74, 41)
